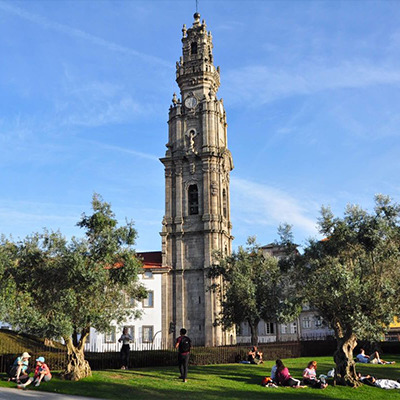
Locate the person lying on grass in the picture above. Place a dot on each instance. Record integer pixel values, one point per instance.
(380, 383)
(42, 373)
(374, 358)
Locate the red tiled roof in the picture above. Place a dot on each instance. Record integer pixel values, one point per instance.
(151, 260)
(151, 257)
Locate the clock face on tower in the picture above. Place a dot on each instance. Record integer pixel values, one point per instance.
(190, 102)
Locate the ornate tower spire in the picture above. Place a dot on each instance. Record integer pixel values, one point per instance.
(197, 213)
(195, 71)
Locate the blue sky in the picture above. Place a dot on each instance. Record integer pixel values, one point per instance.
(311, 91)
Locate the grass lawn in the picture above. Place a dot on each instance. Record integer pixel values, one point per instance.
(229, 381)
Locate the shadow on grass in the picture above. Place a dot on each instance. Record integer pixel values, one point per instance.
(109, 390)
(234, 381)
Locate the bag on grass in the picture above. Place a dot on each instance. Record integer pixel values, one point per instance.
(266, 380)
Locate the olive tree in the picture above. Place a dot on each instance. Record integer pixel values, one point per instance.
(60, 289)
(352, 276)
(252, 287)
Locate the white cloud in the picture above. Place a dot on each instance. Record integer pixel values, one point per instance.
(126, 150)
(257, 204)
(73, 32)
(102, 112)
(24, 217)
(259, 84)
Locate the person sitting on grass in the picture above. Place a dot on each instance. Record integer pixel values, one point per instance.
(42, 373)
(372, 359)
(273, 372)
(310, 376)
(19, 370)
(283, 376)
(255, 356)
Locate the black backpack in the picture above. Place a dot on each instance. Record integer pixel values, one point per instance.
(184, 345)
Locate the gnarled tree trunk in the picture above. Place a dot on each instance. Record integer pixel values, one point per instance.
(77, 367)
(254, 331)
(345, 372)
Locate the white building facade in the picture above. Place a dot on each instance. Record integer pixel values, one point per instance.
(146, 330)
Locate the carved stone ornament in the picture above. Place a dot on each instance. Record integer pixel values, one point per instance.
(214, 188)
(191, 138)
(214, 168)
(178, 170)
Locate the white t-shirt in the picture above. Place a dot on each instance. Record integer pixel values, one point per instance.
(273, 372)
(311, 373)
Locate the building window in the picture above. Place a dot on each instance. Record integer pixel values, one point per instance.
(293, 327)
(147, 334)
(224, 203)
(269, 328)
(306, 323)
(193, 48)
(318, 322)
(148, 275)
(109, 336)
(284, 328)
(148, 302)
(193, 195)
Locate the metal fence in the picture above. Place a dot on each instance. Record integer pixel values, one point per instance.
(56, 356)
(161, 354)
(158, 353)
(137, 345)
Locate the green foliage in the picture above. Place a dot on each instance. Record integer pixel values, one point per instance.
(353, 276)
(60, 288)
(253, 287)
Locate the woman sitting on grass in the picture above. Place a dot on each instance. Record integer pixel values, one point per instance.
(283, 376)
(310, 376)
(255, 356)
(19, 370)
(42, 373)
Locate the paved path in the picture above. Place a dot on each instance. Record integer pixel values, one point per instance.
(15, 394)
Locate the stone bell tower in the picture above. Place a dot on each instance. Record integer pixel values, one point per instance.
(197, 212)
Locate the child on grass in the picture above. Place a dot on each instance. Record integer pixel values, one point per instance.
(42, 373)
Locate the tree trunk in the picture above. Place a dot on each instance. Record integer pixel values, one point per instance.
(277, 332)
(48, 342)
(345, 373)
(254, 332)
(77, 367)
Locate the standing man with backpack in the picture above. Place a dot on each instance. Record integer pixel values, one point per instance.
(183, 344)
